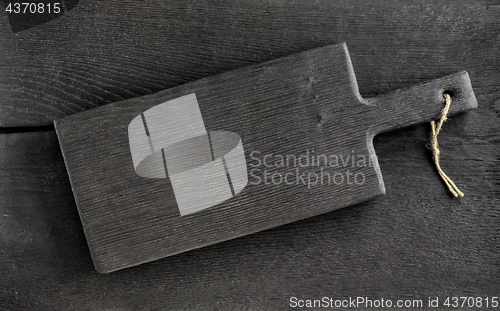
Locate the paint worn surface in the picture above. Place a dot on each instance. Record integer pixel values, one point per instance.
(304, 110)
(416, 241)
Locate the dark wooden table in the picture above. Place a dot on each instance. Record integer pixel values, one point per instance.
(415, 242)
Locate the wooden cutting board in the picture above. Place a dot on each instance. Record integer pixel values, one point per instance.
(235, 154)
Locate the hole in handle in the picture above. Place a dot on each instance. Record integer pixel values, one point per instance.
(452, 92)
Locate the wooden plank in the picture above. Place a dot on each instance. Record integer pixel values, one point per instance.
(307, 140)
(85, 58)
(414, 242)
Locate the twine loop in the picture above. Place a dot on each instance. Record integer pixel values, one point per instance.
(435, 148)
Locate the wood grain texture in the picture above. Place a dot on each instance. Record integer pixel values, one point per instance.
(414, 242)
(96, 54)
(307, 136)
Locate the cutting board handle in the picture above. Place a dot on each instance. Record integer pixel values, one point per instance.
(421, 103)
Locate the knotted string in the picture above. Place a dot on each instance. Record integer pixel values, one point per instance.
(435, 148)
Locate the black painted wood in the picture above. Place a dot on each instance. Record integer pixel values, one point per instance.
(96, 54)
(303, 112)
(410, 244)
